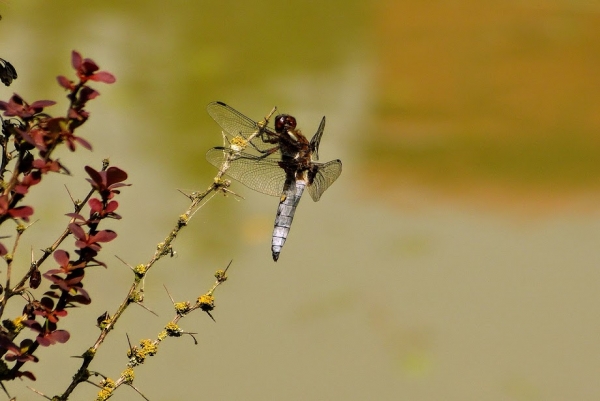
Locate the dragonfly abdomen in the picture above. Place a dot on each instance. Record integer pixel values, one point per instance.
(285, 215)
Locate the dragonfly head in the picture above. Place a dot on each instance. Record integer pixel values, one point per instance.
(284, 122)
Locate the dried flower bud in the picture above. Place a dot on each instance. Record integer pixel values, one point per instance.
(103, 320)
(35, 279)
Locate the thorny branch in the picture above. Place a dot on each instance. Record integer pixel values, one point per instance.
(18, 288)
(37, 130)
(135, 292)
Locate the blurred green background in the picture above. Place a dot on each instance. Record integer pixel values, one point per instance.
(455, 258)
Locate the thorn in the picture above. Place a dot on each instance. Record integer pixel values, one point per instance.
(227, 268)
(38, 393)
(204, 203)
(190, 195)
(138, 391)
(6, 391)
(226, 142)
(145, 307)
(75, 203)
(26, 227)
(93, 384)
(125, 263)
(169, 294)
(95, 373)
(64, 170)
(226, 190)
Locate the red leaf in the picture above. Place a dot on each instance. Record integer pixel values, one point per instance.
(77, 231)
(76, 60)
(27, 374)
(95, 204)
(83, 143)
(112, 206)
(103, 76)
(114, 175)
(105, 236)
(42, 103)
(61, 257)
(22, 212)
(65, 83)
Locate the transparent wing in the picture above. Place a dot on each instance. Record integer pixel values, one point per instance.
(235, 123)
(326, 174)
(260, 174)
(316, 140)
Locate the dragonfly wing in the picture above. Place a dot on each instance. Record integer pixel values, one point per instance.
(260, 174)
(326, 174)
(235, 123)
(316, 140)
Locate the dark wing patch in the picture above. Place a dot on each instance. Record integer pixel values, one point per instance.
(316, 140)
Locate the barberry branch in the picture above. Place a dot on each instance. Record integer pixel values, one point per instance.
(134, 294)
(35, 135)
(29, 139)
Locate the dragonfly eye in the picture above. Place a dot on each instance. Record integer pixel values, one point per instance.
(284, 122)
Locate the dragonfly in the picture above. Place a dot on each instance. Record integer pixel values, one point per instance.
(282, 162)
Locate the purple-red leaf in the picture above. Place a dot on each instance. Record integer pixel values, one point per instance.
(103, 76)
(61, 257)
